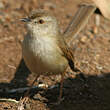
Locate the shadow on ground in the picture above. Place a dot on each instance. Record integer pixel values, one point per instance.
(91, 94)
(19, 80)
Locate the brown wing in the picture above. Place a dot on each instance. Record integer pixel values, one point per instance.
(68, 53)
(78, 22)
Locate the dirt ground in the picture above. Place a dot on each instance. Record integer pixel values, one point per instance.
(92, 57)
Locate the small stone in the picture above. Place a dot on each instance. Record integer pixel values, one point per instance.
(83, 39)
(27, 106)
(89, 34)
(2, 20)
(95, 29)
(97, 20)
(1, 5)
(68, 15)
(7, 18)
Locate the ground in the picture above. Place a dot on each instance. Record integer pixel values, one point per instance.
(92, 51)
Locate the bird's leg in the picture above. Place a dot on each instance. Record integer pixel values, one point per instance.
(26, 95)
(61, 90)
(61, 87)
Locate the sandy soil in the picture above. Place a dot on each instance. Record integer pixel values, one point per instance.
(92, 51)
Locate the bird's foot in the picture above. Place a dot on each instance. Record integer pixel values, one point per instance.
(23, 103)
(58, 102)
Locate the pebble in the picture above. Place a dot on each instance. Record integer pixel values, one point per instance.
(27, 107)
(97, 20)
(1, 5)
(83, 39)
(95, 30)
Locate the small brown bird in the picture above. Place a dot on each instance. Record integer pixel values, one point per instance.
(44, 48)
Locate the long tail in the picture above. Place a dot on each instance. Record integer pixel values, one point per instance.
(78, 21)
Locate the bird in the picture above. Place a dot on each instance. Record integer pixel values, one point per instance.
(44, 48)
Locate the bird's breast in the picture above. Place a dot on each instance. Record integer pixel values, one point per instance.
(44, 54)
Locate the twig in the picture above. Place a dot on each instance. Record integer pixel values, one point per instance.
(8, 100)
(18, 90)
(21, 90)
(11, 66)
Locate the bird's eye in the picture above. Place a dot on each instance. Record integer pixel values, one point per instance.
(41, 21)
(35, 22)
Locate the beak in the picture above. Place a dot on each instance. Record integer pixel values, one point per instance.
(25, 20)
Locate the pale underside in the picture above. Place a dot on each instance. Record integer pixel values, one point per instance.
(43, 56)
